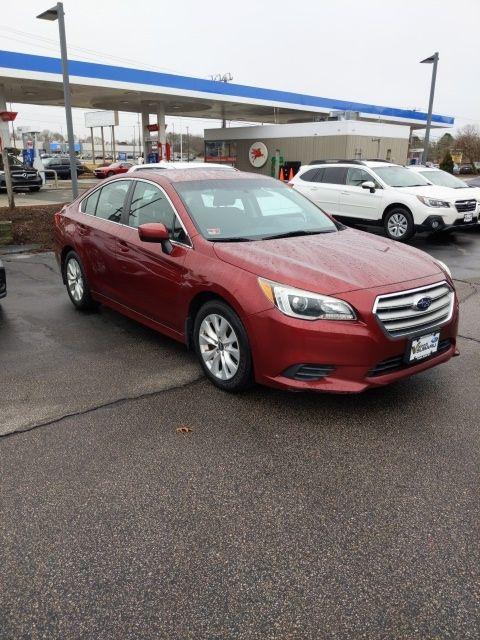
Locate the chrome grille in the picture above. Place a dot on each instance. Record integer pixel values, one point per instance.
(463, 206)
(399, 316)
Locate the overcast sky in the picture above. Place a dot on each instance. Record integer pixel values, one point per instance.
(359, 50)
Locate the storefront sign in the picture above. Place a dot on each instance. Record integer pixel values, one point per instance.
(258, 154)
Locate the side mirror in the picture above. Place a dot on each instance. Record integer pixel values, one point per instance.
(369, 184)
(155, 232)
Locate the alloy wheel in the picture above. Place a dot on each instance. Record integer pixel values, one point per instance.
(219, 346)
(397, 225)
(75, 282)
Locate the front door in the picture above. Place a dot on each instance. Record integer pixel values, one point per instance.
(356, 202)
(152, 279)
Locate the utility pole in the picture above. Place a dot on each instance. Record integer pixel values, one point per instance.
(8, 178)
(57, 13)
(430, 60)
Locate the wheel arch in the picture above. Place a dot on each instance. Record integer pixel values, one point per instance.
(396, 205)
(65, 251)
(196, 303)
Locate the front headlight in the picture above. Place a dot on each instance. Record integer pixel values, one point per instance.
(433, 202)
(444, 267)
(297, 303)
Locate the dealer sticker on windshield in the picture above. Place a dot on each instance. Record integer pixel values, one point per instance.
(424, 346)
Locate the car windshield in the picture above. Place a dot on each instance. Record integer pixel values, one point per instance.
(251, 209)
(444, 179)
(400, 177)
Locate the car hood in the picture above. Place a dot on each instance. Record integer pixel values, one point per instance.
(444, 193)
(330, 263)
(431, 191)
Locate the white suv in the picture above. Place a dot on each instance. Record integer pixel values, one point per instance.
(372, 192)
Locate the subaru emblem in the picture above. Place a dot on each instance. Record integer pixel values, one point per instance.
(422, 304)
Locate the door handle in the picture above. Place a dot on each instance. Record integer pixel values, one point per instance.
(82, 229)
(124, 248)
(345, 193)
(314, 188)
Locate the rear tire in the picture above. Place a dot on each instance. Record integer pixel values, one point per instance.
(398, 224)
(222, 346)
(76, 283)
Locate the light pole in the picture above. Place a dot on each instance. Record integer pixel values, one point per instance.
(223, 77)
(430, 60)
(57, 13)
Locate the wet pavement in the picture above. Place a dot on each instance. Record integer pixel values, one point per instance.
(278, 516)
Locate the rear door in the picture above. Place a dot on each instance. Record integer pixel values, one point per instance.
(307, 182)
(329, 185)
(359, 203)
(97, 236)
(152, 280)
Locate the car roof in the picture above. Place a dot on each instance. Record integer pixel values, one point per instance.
(372, 164)
(182, 165)
(422, 167)
(185, 175)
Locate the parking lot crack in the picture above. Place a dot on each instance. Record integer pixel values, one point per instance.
(105, 405)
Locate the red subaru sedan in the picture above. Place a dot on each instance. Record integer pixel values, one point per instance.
(259, 281)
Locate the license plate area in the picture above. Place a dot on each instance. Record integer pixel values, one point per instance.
(468, 217)
(422, 347)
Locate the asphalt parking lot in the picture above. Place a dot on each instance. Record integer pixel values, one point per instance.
(277, 516)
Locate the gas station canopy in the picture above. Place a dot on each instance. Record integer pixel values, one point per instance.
(33, 79)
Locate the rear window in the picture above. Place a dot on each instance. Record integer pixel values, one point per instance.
(89, 205)
(312, 175)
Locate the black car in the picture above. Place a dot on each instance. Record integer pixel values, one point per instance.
(23, 178)
(61, 164)
(3, 281)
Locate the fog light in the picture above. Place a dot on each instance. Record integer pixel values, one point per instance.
(435, 224)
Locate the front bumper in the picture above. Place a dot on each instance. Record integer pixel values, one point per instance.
(21, 185)
(436, 223)
(350, 354)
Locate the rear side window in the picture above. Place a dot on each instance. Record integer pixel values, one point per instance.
(312, 175)
(89, 205)
(334, 175)
(111, 200)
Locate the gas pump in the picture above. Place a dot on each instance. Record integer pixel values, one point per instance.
(30, 152)
(156, 150)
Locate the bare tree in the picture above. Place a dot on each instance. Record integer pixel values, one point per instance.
(468, 141)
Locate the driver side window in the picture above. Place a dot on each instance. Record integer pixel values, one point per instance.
(150, 204)
(356, 176)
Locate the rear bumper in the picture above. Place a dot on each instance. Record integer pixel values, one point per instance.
(348, 352)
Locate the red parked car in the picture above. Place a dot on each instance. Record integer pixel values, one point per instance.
(113, 169)
(258, 280)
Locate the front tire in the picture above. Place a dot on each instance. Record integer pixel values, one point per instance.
(398, 224)
(222, 346)
(110, 174)
(76, 283)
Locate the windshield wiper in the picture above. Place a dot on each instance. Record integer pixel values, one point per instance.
(298, 232)
(240, 239)
(406, 186)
